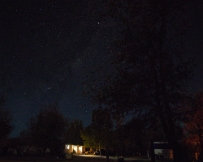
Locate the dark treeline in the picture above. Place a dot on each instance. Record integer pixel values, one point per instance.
(46, 133)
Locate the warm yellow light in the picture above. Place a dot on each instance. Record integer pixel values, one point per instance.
(75, 149)
(80, 148)
(67, 146)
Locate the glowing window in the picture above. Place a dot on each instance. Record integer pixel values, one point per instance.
(80, 148)
(67, 146)
(75, 149)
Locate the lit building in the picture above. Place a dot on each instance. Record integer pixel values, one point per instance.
(74, 149)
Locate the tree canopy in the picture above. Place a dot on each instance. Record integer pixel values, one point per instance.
(47, 128)
(5, 116)
(99, 133)
(151, 71)
(194, 123)
(5, 123)
(73, 131)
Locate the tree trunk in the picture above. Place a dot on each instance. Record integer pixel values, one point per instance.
(107, 153)
(167, 118)
(152, 151)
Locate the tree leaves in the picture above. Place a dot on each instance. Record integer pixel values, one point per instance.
(47, 128)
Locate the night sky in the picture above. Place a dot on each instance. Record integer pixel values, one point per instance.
(49, 47)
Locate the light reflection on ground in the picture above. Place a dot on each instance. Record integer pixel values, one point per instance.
(115, 157)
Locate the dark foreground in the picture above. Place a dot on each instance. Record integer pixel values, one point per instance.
(74, 159)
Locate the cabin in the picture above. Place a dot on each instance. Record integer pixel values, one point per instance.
(74, 149)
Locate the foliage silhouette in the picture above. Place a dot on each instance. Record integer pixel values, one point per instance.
(151, 74)
(47, 129)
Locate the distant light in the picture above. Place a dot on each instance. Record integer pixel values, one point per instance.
(98, 22)
(80, 148)
(75, 149)
(67, 146)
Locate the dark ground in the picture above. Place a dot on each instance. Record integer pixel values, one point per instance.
(74, 159)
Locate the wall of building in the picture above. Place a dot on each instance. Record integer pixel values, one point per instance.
(74, 149)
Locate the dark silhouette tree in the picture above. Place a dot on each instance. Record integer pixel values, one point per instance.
(25, 141)
(73, 130)
(5, 116)
(135, 138)
(47, 129)
(101, 129)
(88, 138)
(5, 124)
(102, 124)
(5, 128)
(194, 124)
(151, 73)
(129, 138)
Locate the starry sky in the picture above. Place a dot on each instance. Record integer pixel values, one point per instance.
(49, 47)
